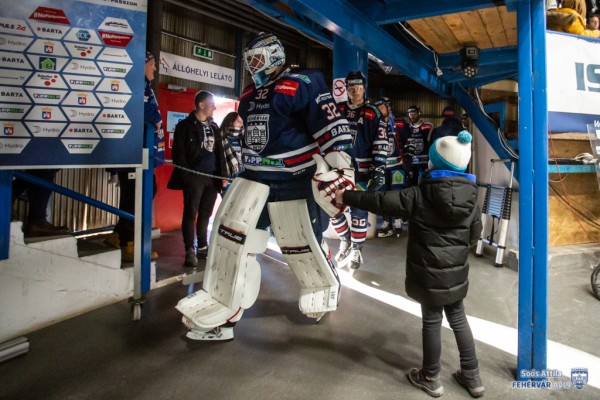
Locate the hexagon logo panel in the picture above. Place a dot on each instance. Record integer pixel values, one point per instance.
(49, 31)
(47, 80)
(79, 146)
(82, 67)
(86, 131)
(13, 111)
(13, 77)
(46, 129)
(81, 114)
(81, 99)
(79, 82)
(113, 131)
(14, 26)
(14, 43)
(83, 50)
(114, 70)
(13, 129)
(12, 146)
(112, 54)
(49, 47)
(47, 63)
(46, 96)
(14, 61)
(115, 25)
(115, 116)
(113, 85)
(11, 94)
(83, 35)
(110, 100)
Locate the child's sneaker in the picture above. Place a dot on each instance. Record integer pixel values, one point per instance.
(216, 334)
(432, 386)
(470, 380)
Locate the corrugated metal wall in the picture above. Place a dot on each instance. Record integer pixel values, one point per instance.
(91, 182)
(182, 29)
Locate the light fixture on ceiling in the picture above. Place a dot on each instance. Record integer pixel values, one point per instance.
(469, 61)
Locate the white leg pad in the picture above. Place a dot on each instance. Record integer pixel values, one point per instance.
(292, 228)
(232, 277)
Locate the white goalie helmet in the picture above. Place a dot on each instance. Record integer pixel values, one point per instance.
(262, 57)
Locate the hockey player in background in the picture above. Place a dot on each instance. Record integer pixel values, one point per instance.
(290, 116)
(415, 140)
(394, 173)
(369, 154)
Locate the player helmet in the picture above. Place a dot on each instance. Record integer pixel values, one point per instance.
(262, 56)
(356, 78)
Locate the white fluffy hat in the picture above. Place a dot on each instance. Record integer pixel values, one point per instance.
(451, 152)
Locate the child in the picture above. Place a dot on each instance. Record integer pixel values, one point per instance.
(444, 223)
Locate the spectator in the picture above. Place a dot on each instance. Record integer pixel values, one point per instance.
(126, 177)
(593, 22)
(38, 197)
(232, 130)
(414, 143)
(194, 150)
(450, 126)
(369, 152)
(444, 221)
(570, 18)
(465, 120)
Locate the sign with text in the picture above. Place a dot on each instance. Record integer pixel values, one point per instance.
(573, 64)
(71, 87)
(203, 52)
(194, 70)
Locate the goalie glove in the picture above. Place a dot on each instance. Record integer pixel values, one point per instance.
(333, 172)
(377, 181)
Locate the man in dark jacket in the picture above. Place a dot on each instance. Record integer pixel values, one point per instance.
(194, 144)
(450, 126)
(444, 223)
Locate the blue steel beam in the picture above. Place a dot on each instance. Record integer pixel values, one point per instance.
(345, 20)
(489, 131)
(292, 21)
(526, 281)
(494, 57)
(540, 187)
(405, 10)
(6, 177)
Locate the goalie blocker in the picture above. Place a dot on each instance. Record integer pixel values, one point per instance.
(334, 172)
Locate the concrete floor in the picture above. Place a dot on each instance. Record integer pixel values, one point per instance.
(361, 351)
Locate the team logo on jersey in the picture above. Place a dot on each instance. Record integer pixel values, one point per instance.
(257, 132)
(579, 377)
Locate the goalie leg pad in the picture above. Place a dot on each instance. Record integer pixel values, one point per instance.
(232, 277)
(291, 225)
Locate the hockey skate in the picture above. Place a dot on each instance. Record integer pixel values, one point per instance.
(356, 260)
(343, 253)
(216, 334)
(397, 225)
(385, 230)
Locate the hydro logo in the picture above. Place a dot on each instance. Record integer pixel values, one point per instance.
(588, 77)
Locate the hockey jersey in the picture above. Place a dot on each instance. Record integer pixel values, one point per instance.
(394, 158)
(370, 138)
(417, 135)
(288, 120)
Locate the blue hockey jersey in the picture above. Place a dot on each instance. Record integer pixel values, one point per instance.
(369, 132)
(287, 121)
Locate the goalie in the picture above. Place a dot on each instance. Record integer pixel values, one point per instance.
(290, 117)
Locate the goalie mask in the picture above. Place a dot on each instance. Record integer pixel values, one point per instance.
(262, 57)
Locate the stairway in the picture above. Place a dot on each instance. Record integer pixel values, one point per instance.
(47, 280)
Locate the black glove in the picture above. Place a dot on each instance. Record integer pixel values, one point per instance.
(409, 153)
(377, 181)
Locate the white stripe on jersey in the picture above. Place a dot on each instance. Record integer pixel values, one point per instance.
(329, 127)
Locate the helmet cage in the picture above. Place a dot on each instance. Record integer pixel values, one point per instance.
(262, 57)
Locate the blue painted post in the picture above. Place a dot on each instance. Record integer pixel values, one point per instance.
(525, 329)
(540, 187)
(5, 210)
(147, 196)
(347, 57)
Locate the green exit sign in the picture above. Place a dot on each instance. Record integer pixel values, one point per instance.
(203, 52)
